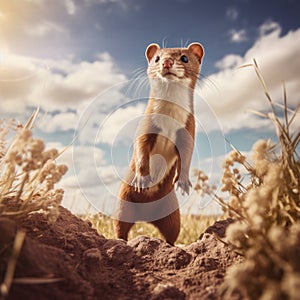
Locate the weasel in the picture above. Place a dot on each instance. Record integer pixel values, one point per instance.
(164, 143)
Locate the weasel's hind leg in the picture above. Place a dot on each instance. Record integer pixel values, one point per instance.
(124, 219)
(169, 226)
(122, 229)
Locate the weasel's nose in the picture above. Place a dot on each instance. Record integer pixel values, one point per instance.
(168, 63)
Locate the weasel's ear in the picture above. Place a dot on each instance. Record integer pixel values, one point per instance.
(198, 50)
(150, 51)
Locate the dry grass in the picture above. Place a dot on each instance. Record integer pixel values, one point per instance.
(28, 174)
(264, 200)
(191, 227)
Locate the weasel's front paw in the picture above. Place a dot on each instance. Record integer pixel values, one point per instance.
(140, 182)
(184, 184)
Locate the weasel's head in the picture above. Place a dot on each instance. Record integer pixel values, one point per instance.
(176, 64)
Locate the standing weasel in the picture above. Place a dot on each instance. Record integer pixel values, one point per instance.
(164, 143)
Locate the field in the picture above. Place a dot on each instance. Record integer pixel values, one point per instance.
(192, 226)
(253, 252)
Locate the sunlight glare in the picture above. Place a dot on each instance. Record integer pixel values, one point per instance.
(4, 54)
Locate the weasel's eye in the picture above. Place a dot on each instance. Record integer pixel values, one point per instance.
(157, 59)
(184, 59)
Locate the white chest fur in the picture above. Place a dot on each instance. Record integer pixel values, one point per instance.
(173, 91)
(173, 103)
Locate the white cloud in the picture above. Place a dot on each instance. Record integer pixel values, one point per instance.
(44, 28)
(269, 27)
(90, 182)
(239, 90)
(120, 125)
(62, 87)
(108, 174)
(27, 20)
(232, 13)
(121, 3)
(238, 36)
(229, 61)
(77, 156)
(86, 168)
(60, 122)
(70, 7)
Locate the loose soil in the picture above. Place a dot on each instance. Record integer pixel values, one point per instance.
(88, 266)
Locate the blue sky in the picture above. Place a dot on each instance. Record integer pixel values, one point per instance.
(75, 59)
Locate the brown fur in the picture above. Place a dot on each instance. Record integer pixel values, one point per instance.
(151, 141)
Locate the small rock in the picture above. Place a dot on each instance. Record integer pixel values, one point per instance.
(92, 259)
(195, 248)
(177, 258)
(167, 291)
(144, 245)
(207, 263)
(92, 254)
(119, 252)
(219, 228)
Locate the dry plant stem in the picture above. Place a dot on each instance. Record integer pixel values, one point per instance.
(10, 270)
(262, 81)
(285, 109)
(29, 124)
(25, 179)
(226, 205)
(32, 280)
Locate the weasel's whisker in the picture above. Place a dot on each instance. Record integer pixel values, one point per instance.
(186, 43)
(207, 80)
(138, 76)
(141, 86)
(164, 42)
(137, 72)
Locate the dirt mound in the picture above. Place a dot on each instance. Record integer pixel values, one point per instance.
(89, 266)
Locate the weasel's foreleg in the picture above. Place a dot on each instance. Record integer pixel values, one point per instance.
(185, 147)
(141, 168)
